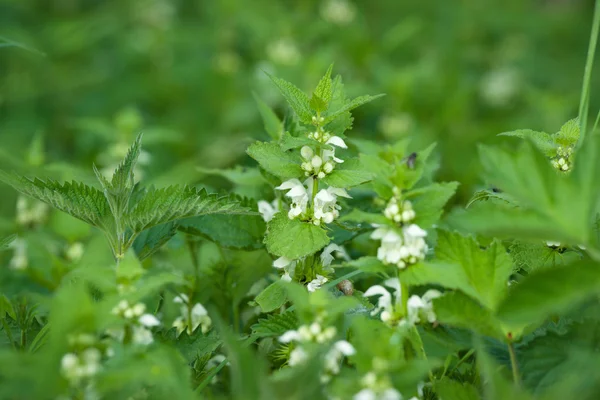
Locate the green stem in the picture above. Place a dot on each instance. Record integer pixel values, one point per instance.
(514, 364)
(584, 101)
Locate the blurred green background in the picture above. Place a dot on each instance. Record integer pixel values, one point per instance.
(79, 78)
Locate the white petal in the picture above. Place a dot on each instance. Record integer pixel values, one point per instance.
(365, 394)
(181, 298)
(199, 310)
(337, 141)
(390, 394)
(149, 320)
(431, 294)
(338, 192)
(281, 262)
(289, 184)
(376, 290)
(324, 196)
(289, 336)
(415, 231)
(345, 348)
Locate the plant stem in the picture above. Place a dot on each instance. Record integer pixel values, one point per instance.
(8, 333)
(584, 102)
(514, 364)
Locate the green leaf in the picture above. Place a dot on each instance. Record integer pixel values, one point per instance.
(357, 215)
(194, 346)
(568, 135)
(81, 201)
(159, 206)
(294, 239)
(293, 142)
(275, 324)
(272, 297)
(351, 105)
(344, 120)
(151, 240)
(486, 271)
(429, 201)
(317, 104)
(6, 308)
(541, 140)
(6, 242)
(324, 88)
(295, 98)
(272, 123)
(550, 291)
(448, 275)
(369, 264)
(453, 390)
(276, 161)
(349, 174)
(231, 231)
(458, 310)
(122, 179)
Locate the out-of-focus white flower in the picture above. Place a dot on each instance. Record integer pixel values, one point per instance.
(19, 260)
(75, 251)
(30, 212)
(422, 307)
(78, 367)
(340, 349)
(399, 211)
(401, 250)
(327, 255)
(197, 312)
(139, 320)
(377, 388)
(283, 51)
(297, 357)
(339, 12)
(299, 196)
(316, 283)
(268, 210)
(387, 302)
(500, 86)
(288, 266)
(309, 333)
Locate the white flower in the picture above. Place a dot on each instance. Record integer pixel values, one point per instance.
(330, 154)
(139, 321)
(309, 333)
(19, 260)
(76, 368)
(327, 254)
(297, 192)
(399, 211)
(401, 250)
(149, 320)
(339, 12)
(553, 244)
(325, 207)
(288, 266)
(387, 302)
(199, 316)
(268, 210)
(377, 388)
(75, 251)
(297, 356)
(334, 356)
(306, 152)
(422, 307)
(141, 336)
(316, 283)
(284, 52)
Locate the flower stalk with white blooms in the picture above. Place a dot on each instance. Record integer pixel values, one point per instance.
(138, 323)
(192, 316)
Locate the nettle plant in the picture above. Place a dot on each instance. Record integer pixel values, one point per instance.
(336, 279)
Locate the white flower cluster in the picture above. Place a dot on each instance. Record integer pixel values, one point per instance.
(399, 211)
(324, 209)
(389, 304)
(401, 249)
(30, 212)
(562, 162)
(75, 251)
(377, 387)
(323, 164)
(314, 333)
(340, 12)
(268, 210)
(84, 361)
(197, 313)
(138, 321)
(19, 260)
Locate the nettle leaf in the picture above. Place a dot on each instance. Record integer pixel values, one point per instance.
(344, 120)
(428, 202)
(151, 240)
(541, 140)
(490, 194)
(275, 161)
(550, 291)
(272, 297)
(347, 175)
(370, 264)
(122, 178)
(81, 201)
(324, 88)
(275, 324)
(235, 231)
(192, 347)
(272, 123)
(459, 310)
(450, 389)
(294, 239)
(289, 142)
(159, 206)
(486, 270)
(349, 106)
(6, 308)
(295, 98)
(357, 215)
(568, 134)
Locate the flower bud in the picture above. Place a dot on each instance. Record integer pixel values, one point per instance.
(316, 161)
(321, 175)
(306, 152)
(307, 166)
(328, 167)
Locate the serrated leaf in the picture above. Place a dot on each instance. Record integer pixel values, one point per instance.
(81, 201)
(369, 264)
(294, 239)
(192, 346)
(231, 231)
(276, 161)
(275, 324)
(123, 177)
(344, 120)
(429, 201)
(357, 215)
(347, 175)
(459, 310)
(159, 206)
(151, 240)
(550, 291)
(272, 297)
(289, 142)
(487, 270)
(295, 98)
(541, 140)
(6, 308)
(490, 194)
(324, 88)
(318, 104)
(351, 105)
(272, 123)
(569, 133)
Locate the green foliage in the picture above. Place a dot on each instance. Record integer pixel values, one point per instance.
(293, 239)
(274, 160)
